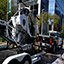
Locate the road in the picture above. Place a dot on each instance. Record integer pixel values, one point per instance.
(50, 58)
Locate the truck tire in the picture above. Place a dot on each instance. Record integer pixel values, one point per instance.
(26, 60)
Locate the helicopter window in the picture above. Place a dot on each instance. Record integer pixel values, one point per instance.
(26, 12)
(24, 22)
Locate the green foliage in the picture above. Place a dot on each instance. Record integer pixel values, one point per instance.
(62, 32)
(48, 16)
(38, 21)
(3, 9)
(30, 18)
(2, 40)
(43, 17)
(55, 19)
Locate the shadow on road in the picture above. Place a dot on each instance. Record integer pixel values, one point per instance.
(49, 57)
(59, 51)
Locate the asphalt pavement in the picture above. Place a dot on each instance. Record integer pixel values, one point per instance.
(48, 58)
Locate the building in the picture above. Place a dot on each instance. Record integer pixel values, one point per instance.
(56, 6)
(59, 10)
(52, 6)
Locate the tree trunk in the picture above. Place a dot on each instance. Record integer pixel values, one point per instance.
(37, 28)
(42, 28)
(52, 27)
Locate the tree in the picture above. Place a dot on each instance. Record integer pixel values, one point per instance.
(3, 9)
(39, 22)
(62, 32)
(44, 20)
(55, 21)
(46, 17)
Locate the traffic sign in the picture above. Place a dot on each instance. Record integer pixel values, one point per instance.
(9, 6)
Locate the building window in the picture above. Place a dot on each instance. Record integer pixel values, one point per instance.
(24, 22)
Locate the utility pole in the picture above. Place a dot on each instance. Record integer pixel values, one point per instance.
(7, 25)
(39, 7)
(39, 11)
(8, 11)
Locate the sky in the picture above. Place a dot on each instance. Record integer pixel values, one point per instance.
(51, 8)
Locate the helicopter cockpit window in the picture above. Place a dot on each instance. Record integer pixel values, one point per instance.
(24, 22)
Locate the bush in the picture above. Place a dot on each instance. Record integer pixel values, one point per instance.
(2, 40)
(61, 32)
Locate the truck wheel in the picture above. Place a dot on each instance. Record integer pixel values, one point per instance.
(26, 60)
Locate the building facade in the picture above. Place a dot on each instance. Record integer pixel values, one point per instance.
(56, 6)
(51, 6)
(59, 10)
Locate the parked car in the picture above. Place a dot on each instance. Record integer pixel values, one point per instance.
(52, 40)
